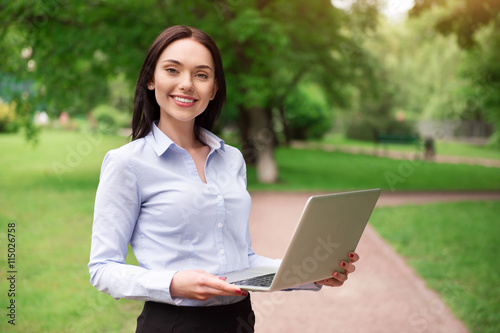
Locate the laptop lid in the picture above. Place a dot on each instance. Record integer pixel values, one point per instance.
(329, 228)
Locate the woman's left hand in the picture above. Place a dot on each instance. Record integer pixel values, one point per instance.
(337, 278)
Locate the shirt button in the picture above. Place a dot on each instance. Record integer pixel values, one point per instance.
(220, 224)
(219, 198)
(221, 251)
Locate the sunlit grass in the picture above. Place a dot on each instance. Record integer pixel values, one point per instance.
(49, 191)
(320, 170)
(442, 147)
(454, 247)
(53, 216)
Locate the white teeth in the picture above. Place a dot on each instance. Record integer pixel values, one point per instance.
(183, 100)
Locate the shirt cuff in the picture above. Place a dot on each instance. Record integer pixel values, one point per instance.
(308, 286)
(156, 284)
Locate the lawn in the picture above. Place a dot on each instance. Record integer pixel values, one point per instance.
(321, 170)
(454, 247)
(48, 192)
(443, 147)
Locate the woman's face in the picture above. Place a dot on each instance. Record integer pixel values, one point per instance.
(184, 81)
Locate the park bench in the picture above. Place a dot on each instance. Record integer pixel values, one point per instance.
(398, 139)
(382, 140)
(427, 148)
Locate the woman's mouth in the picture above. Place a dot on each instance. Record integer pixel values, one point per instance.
(183, 101)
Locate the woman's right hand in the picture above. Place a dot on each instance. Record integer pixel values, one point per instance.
(200, 285)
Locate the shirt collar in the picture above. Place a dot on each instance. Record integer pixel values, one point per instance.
(161, 142)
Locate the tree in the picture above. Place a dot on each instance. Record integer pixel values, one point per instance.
(374, 96)
(422, 68)
(276, 44)
(70, 50)
(467, 19)
(464, 17)
(78, 47)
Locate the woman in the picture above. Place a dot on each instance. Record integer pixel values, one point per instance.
(178, 195)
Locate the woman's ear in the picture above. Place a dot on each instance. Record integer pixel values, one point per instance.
(151, 85)
(214, 90)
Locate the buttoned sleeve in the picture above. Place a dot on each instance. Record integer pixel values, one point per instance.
(117, 207)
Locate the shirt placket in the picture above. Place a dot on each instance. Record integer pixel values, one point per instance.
(219, 229)
(189, 163)
(220, 215)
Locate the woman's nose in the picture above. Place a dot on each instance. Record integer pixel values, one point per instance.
(186, 83)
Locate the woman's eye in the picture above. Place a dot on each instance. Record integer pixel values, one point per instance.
(202, 76)
(171, 70)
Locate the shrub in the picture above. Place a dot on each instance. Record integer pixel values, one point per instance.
(361, 129)
(367, 129)
(110, 119)
(307, 113)
(377, 117)
(8, 117)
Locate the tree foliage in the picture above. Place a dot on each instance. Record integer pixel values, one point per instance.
(422, 68)
(476, 25)
(307, 112)
(78, 48)
(375, 93)
(463, 18)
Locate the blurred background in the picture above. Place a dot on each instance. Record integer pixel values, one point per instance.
(322, 96)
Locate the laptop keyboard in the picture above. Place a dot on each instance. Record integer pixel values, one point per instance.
(258, 281)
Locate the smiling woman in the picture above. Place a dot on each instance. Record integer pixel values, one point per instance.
(177, 194)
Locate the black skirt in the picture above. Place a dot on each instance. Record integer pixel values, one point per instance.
(166, 318)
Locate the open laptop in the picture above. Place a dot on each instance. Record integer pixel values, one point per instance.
(330, 227)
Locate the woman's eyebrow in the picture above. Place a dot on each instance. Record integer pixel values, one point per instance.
(180, 64)
(204, 66)
(173, 61)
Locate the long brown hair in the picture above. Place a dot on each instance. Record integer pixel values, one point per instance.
(147, 110)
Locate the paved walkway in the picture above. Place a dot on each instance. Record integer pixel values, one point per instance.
(398, 154)
(383, 295)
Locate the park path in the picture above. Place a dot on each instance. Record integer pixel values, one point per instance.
(383, 295)
(398, 155)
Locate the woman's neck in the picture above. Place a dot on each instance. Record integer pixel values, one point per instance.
(181, 133)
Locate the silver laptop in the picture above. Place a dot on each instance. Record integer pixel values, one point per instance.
(330, 227)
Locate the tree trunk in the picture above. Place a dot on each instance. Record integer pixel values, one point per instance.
(286, 127)
(258, 142)
(247, 146)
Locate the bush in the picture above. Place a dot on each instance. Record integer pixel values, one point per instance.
(307, 113)
(8, 117)
(367, 129)
(361, 129)
(109, 119)
(377, 117)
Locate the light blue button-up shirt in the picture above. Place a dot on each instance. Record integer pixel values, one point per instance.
(151, 196)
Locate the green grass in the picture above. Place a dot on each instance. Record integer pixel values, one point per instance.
(53, 216)
(49, 191)
(454, 247)
(467, 150)
(442, 147)
(321, 170)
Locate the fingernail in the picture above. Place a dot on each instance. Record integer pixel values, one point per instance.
(238, 291)
(222, 278)
(244, 294)
(343, 264)
(351, 255)
(336, 274)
